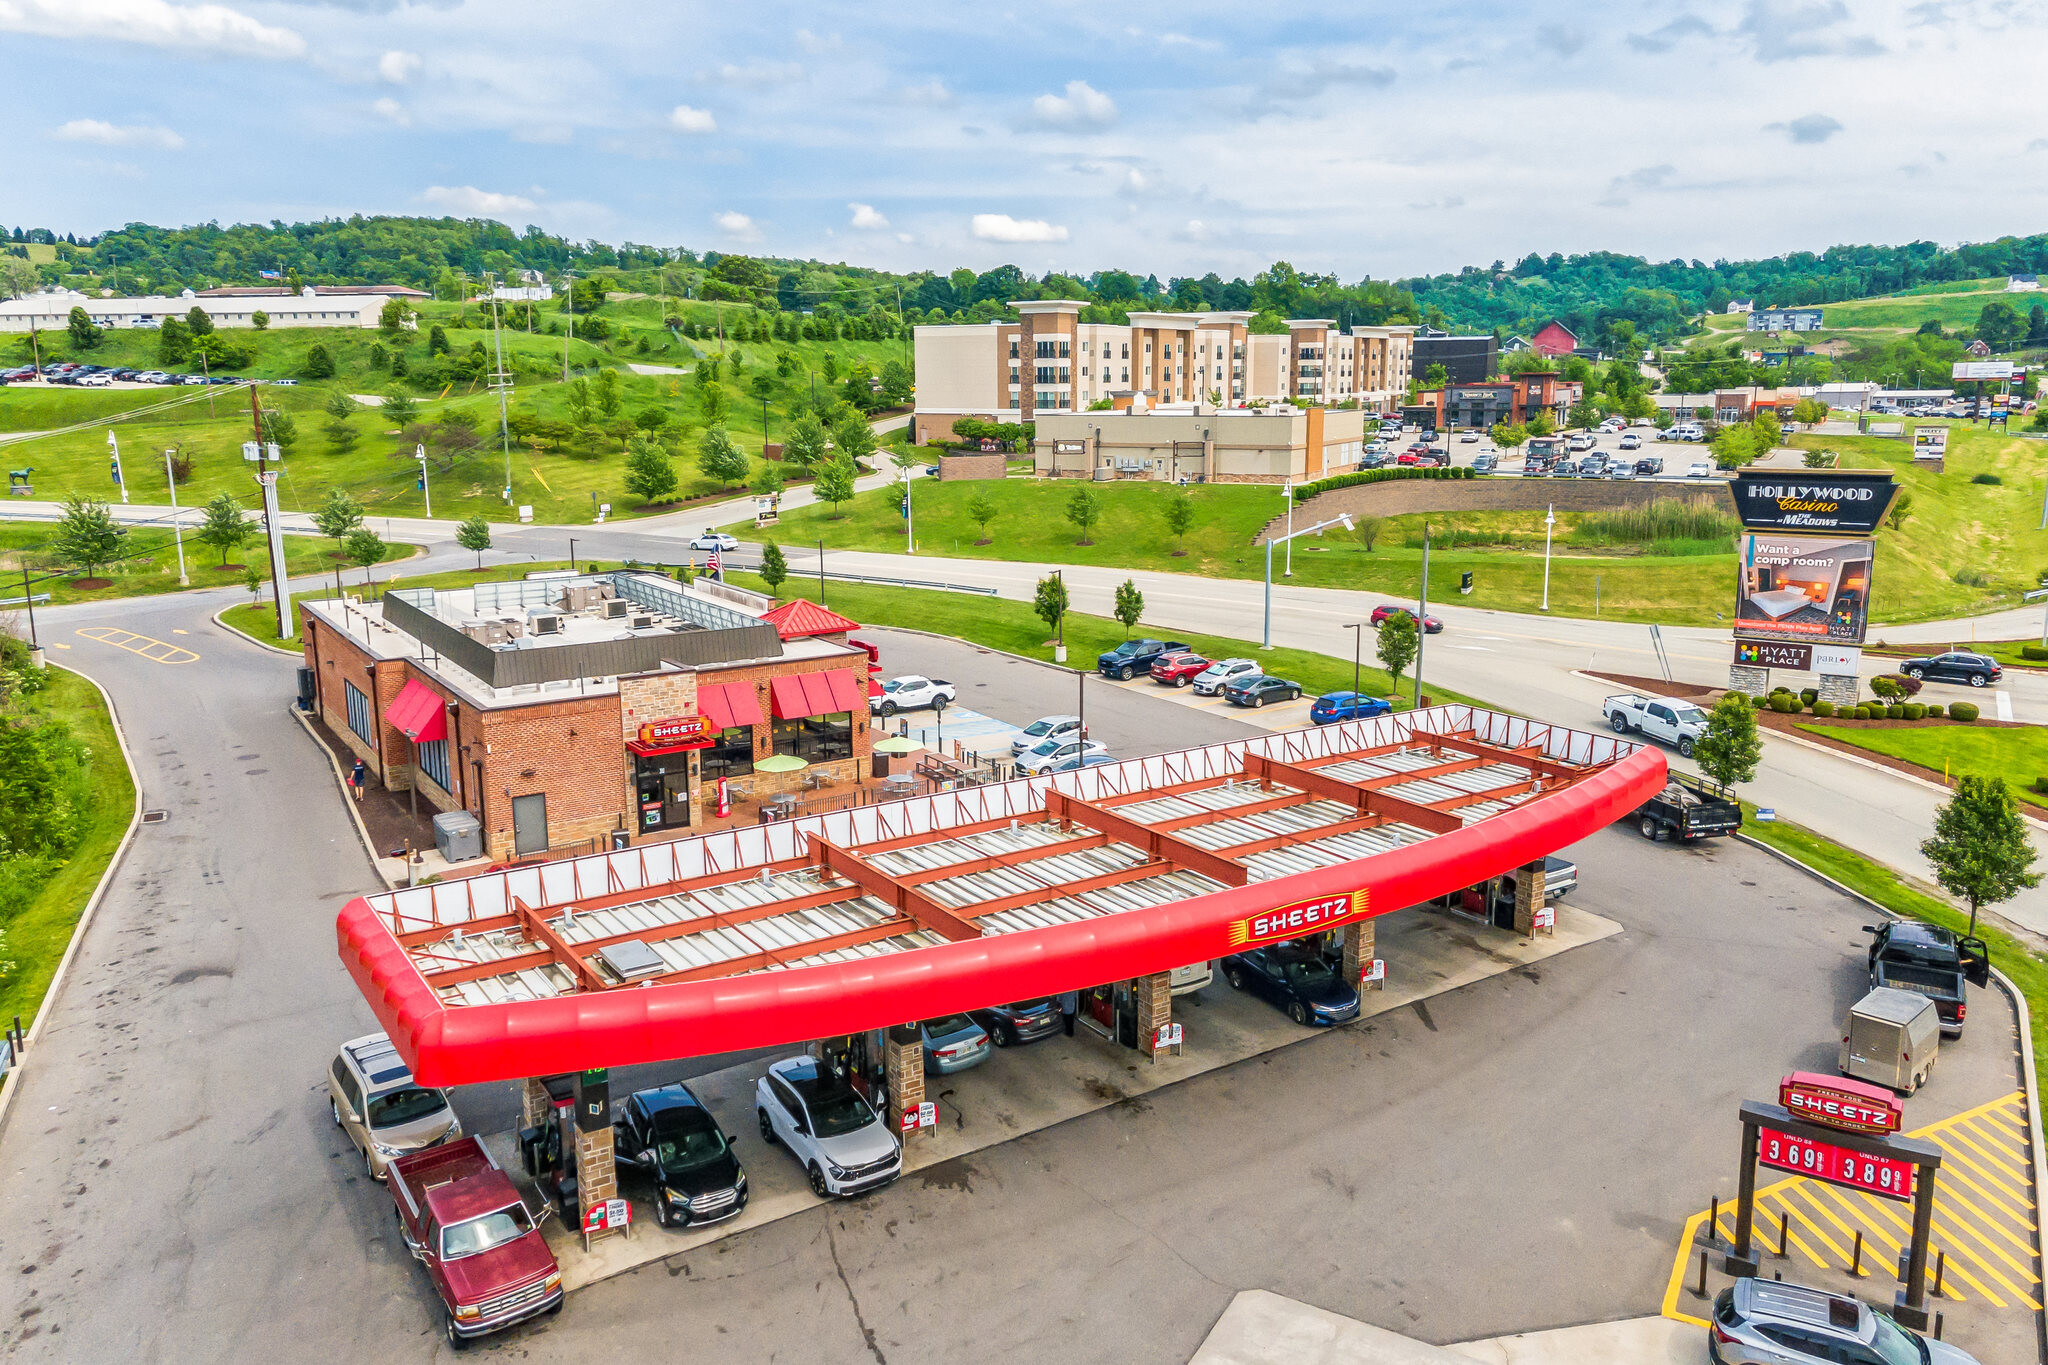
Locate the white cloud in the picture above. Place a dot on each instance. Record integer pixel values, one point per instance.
(467, 201)
(1001, 227)
(933, 92)
(120, 135)
(1782, 32)
(391, 109)
(396, 67)
(868, 218)
(738, 226)
(207, 28)
(756, 74)
(1083, 106)
(1807, 128)
(684, 119)
(812, 42)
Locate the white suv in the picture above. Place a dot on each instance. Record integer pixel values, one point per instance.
(1044, 728)
(1209, 682)
(835, 1135)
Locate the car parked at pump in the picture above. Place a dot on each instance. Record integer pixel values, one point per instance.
(1956, 666)
(1773, 1322)
(669, 1136)
(1021, 1021)
(1295, 979)
(1045, 728)
(384, 1113)
(1430, 624)
(1212, 680)
(1178, 670)
(1332, 707)
(952, 1042)
(1133, 657)
(1257, 690)
(843, 1145)
(1048, 754)
(481, 1245)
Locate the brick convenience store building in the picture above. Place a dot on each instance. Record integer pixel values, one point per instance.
(577, 712)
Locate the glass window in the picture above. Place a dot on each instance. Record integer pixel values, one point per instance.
(359, 719)
(816, 739)
(434, 762)
(731, 754)
(410, 1105)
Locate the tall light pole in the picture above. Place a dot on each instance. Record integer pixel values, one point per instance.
(420, 453)
(568, 297)
(114, 445)
(502, 384)
(1549, 522)
(1288, 489)
(177, 528)
(1266, 641)
(1357, 653)
(1422, 617)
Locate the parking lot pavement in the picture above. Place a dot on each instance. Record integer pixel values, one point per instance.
(941, 730)
(1283, 715)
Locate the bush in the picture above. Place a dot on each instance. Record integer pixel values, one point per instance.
(1934, 710)
(1823, 708)
(1809, 695)
(1784, 703)
(1964, 711)
(2041, 785)
(1860, 713)
(1986, 479)
(1914, 710)
(1781, 691)
(1891, 686)
(1896, 711)
(1759, 702)
(1970, 578)
(2034, 652)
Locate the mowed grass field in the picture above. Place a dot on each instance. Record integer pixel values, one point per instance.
(149, 563)
(2019, 755)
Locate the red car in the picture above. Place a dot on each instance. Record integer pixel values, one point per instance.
(1177, 670)
(1408, 457)
(1430, 624)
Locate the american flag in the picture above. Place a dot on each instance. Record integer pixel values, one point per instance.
(711, 567)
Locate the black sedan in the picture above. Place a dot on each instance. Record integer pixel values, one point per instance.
(1978, 670)
(668, 1135)
(1295, 979)
(1020, 1021)
(1257, 689)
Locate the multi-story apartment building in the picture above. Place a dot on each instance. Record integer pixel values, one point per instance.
(1048, 360)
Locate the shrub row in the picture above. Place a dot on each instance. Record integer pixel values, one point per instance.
(1303, 492)
(2035, 652)
(1787, 703)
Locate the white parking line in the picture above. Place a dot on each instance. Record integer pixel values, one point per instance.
(2004, 705)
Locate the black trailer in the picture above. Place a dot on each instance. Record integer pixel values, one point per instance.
(1689, 808)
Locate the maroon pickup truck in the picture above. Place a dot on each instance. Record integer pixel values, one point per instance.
(481, 1245)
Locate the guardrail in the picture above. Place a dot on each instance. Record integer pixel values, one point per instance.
(796, 575)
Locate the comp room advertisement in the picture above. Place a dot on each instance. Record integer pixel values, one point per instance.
(1809, 588)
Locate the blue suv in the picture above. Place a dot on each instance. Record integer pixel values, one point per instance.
(1332, 707)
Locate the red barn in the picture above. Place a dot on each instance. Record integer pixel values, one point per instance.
(1554, 339)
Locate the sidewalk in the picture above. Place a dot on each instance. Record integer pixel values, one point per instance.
(1021, 1090)
(1260, 1328)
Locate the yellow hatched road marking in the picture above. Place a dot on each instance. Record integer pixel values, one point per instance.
(156, 651)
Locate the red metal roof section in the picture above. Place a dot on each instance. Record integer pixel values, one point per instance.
(905, 910)
(794, 620)
(418, 713)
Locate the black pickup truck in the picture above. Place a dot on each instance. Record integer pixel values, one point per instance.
(1910, 956)
(1689, 808)
(1133, 657)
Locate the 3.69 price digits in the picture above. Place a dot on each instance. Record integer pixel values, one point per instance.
(1836, 1165)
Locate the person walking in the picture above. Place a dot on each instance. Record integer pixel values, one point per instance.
(358, 776)
(1070, 1005)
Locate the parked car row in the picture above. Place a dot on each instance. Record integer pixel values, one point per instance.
(81, 375)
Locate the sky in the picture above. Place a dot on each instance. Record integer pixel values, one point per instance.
(1363, 140)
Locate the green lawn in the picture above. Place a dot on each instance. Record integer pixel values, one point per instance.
(2026, 968)
(259, 619)
(38, 935)
(2015, 754)
(150, 563)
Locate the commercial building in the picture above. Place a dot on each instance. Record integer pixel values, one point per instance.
(1515, 399)
(1197, 444)
(1466, 360)
(275, 291)
(1785, 320)
(573, 711)
(2022, 284)
(309, 307)
(1048, 360)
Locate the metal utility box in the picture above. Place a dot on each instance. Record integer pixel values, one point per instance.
(458, 836)
(309, 693)
(1892, 1038)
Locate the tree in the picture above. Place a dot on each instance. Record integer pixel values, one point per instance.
(1435, 377)
(252, 579)
(607, 393)
(260, 320)
(17, 277)
(1130, 605)
(1180, 515)
(2000, 325)
(338, 516)
(437, 340)
(226, 527)
(2037, 326)
(774, 568)
(1809, 412)
(173, 342)
(199, 321)
(1508, 435)
(341, 437)
(84, 333)
(715, 403)
(579, 399)
(804, 442)
(1084, 509)
(1770, 433)
(1980, 851)
(341, 406)
(1901, 508)
(1729, 748)
(1049, 601)
(474, 534)
(87, 536)
(1541, 425)
(319, 363)
(400, 408)
(1583, 415)
(720, 459)
(650, 473)
(854, 437)
(1366, 530)
(1734, 447)
(393, 315)
(833, 483)
(769, 482)
(280, 429)
(1396, 647)
(363, 548)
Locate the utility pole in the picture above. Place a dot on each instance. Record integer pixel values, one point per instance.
(568, 297)
(1422, 618)
(114, 445)
(420, 453)
(1357, 653)
(1059, 645)
(821, 573)
(502, 384)
(1550, 524)
(177, 528)
(256, 452)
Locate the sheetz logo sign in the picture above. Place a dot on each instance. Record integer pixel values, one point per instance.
(1297, 919)
(1838, 1103)
(676, 730)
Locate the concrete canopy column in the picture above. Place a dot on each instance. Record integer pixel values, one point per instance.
(1152, 997)
(903, 1067)
(1529, 898)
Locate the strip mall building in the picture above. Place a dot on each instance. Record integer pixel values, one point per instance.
(572, 713)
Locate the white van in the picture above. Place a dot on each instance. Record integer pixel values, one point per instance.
(1191, 978)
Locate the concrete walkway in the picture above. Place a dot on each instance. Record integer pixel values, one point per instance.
(1267, 1329)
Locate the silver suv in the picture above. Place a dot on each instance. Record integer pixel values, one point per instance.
(372, 1096)
(835, 1135)
(1764, 1322)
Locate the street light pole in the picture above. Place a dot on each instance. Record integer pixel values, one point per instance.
(1549, 522)
(420, 453)
(1288, 489)
(1422, 618)
(177, 528)
(572, 554)
(1266, 640)
(114, 445)
(1357, 653)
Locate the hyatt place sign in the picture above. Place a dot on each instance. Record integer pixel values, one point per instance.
(1848, 502)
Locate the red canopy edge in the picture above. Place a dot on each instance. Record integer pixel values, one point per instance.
(476, 1043)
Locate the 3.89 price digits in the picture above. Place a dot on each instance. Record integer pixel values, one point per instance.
(1837, 1165)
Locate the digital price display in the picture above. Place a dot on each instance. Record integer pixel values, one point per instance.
(1879, 1175)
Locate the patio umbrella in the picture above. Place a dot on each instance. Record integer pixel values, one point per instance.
(897, 744)
(781, 763)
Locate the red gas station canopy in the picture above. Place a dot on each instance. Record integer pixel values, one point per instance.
(903, 910)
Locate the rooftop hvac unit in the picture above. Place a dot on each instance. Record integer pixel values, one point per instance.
(487, 632)
(641, 622)
(544, 621)
(616, 609)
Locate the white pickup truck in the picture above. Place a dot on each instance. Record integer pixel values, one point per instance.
(1667, 719)
(911, 693)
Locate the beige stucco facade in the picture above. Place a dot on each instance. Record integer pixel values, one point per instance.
(1209, 445)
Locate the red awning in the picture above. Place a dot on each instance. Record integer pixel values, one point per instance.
(846, 692)
(787, 697)
(416, 712)
(729, 705)
(815, 694)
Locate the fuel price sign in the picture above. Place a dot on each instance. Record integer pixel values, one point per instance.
(1880, 1175)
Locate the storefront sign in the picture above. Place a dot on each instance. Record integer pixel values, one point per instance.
(1885, 1176)
(724, 807)
(1851, 502)
(612, 1214)
(1803, 588)
(1850, 1105)
(676, 731)
(1930, 443)
(1301, 917)
(1772, 654)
